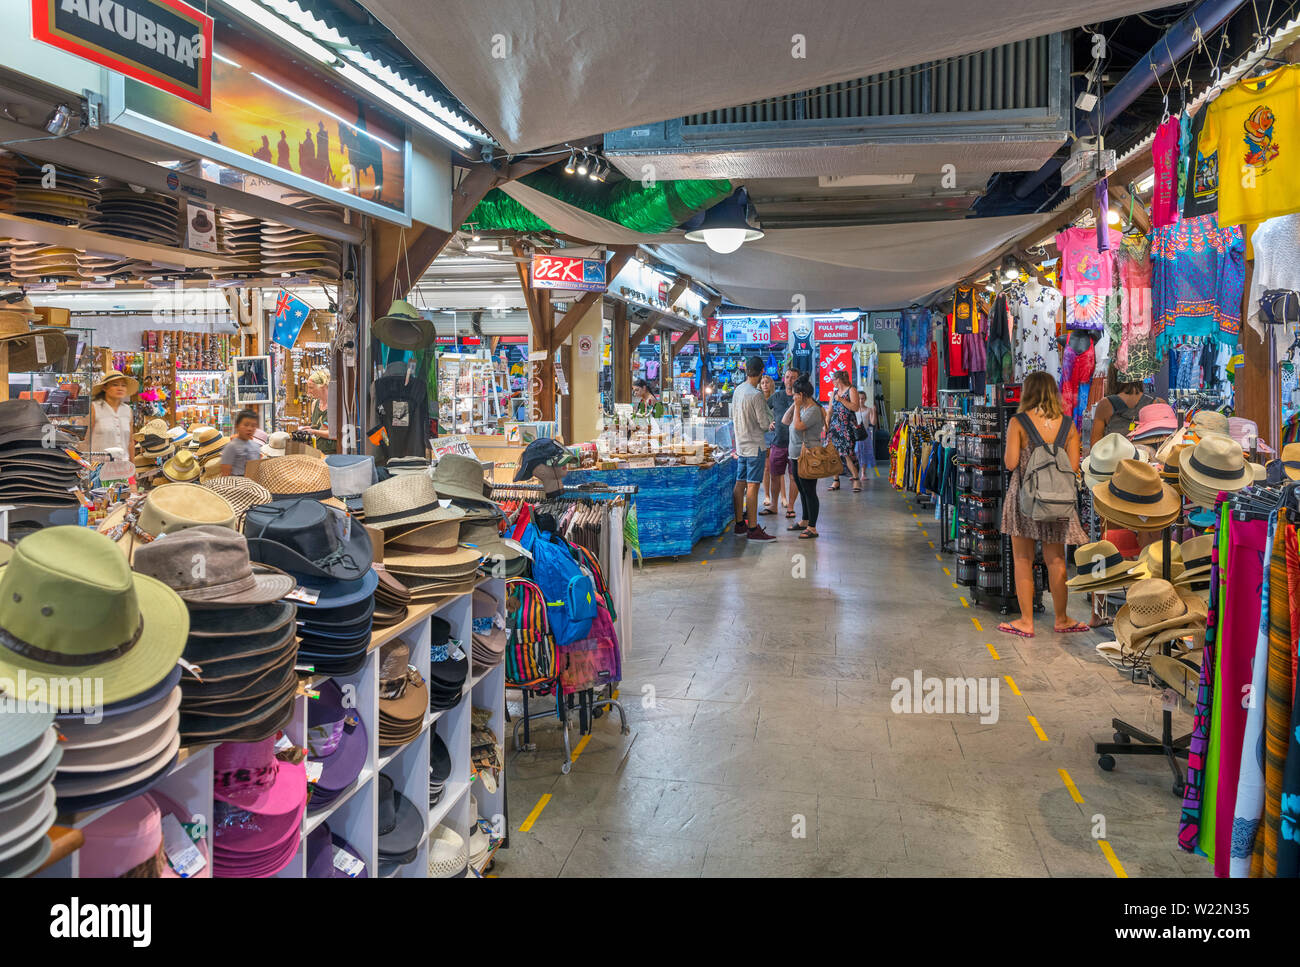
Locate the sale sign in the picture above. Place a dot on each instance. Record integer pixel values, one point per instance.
(739, 330)
(715, 329)
(568, 272)
(780, 330)
(835, 329)
(831, 358)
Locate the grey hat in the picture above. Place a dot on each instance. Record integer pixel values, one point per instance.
(208, 566)
(461, 477)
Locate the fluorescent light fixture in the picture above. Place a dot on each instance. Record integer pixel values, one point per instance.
(226, 60)
(484, 247)
(326, 111)
(1146, 184)
(394, 100)
(279, 28)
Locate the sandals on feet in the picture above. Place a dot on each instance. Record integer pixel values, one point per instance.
(1073, 629)
(1009, 629)
(808, 535)
(797, 527)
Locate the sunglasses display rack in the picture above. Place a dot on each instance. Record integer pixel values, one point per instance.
(354, 814)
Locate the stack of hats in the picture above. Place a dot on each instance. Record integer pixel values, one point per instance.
(1196, 564)
(480, 846)
(439, 767)
(1214, 465)
(240, 492)
(1206, 422)
(401, 827)
(298, 475)
(29, 754)
(129, 842)
(402, 466)
(179, 436)
(241, 644)
(1155, 422)
(330, 856)
(1099, 566)
(329, 556)
(1151, 562)
(70, 608)
(1244, 431)
(276, 444)
(153, 446)
(1156, 612)
(403, 696)
(259, 808)
(1135, 497)
(1169, 470)
(460, 478)
(421, 537)
(165, 510)
(182, 467)
(489, 632)
(351, 474)
(448, 853)
(1105, 456)
(29, 348)
(33, 467)
(392, 599)
(337, 745)
(447, 679)
(207, 443)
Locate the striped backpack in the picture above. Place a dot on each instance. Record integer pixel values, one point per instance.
(530, 653)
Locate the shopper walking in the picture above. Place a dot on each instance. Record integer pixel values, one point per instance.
(750, 419)
(778, 455)
(845, 403)
(806, 421)
(243, 448)
(866, 448)
(1038, 423)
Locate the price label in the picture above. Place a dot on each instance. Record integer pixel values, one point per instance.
(305, 595)
(179, 849)
(346, 863)
(314, 770)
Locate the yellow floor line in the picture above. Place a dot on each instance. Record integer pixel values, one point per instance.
(931, 543)
(1037, 728)
(992, 651)
(976, 622)
(577, 749)
(1069, 784)
(956, 586)
(947, 572)
(938, 556)
(1112, 859)
(527, 824)
(711, 550)
(924, 532)
(965, 603)
(877, 471)
(1014, 690)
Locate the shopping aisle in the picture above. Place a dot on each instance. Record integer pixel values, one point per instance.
(769, 746)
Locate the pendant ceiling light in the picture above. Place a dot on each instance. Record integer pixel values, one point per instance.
(724, 227)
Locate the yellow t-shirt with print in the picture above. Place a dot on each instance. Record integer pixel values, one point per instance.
(1255, 127)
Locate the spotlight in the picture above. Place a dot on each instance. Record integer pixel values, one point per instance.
(582, 164)
(475, 234)
(59, 121)
(604, 172)
(594, 174)
(1112, 217)
(568, 168)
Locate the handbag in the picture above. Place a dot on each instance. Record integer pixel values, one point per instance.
(816, 462)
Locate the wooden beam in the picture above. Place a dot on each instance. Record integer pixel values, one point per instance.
(564, 328)
(678, 288)
(619, 355)
(642, 331)
(1125, 202)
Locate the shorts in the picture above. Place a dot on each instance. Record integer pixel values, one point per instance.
(779, 461)
(749, 469)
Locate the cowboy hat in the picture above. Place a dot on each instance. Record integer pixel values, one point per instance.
(227, 576)
(69, 604)
(403, 500)
(461, 478)
(402, 327)
(302, 536)
(1096, 564)
(182, 467)
(113, 376)
(1156, 611)
(1102, 459)
(1136, 497)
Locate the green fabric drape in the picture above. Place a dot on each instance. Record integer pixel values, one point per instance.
(654, 208)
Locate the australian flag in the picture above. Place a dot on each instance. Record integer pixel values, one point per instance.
(290, 314)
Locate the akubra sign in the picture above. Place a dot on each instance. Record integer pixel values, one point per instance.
(166, 44)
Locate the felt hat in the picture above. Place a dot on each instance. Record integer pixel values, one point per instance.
(1105, 456)
(401, 825)
(113, 376)
(1156, 611)
(403, 500)
(1136, 497)
(25, 420)
(124, 842)
(248, 775)
(70, 606)
(227, 576)
(460, 477)
(1098, 563)
(301, 535)
(336, 742)
(165, 510)
(276, 444)
(330, 856)
(403, 327)
(182, 467)
(403, 696)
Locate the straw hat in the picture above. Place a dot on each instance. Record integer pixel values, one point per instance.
(1105, 456)
(207, 440)
(1096, 565)
(183, 467)
(1196, 558)
(1213, 465)
(1210, 421)
(1291, 460)
(113, 376)
(276, 444)
(1169, 472)
(1180, 674)
(1135, 497)
(179, 436)
(1151, 561)
(154, 428)
(240, 492)
(296, 475)
(403, 500)
(1156, 611)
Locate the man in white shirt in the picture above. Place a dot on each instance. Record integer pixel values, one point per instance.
(751, 418)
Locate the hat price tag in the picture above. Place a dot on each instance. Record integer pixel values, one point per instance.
(181, 853)
(305, 595)
(346, 863)
(1168, 700)
(314, 770)
(40, 351)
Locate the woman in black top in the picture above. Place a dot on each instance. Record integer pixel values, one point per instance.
(1119, 413)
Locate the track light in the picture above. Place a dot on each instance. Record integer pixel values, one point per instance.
(582, 164)
(569, 168)
(475, 234)
(594, 174)
(59, 121)
(604, 172)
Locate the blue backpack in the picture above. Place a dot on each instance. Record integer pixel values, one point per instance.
(569, 593)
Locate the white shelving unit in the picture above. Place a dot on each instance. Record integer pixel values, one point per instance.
(354, 815)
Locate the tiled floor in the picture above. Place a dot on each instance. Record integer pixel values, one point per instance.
(763, 740)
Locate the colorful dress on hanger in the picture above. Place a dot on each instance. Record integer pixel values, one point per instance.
(1198, 275)
(1035, 309)
(1087, 274)
(1189, 823)
(914, 336)
(930, 378)
(1164, 153)
(1136, 357)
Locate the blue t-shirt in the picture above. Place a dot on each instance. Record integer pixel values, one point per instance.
(238, 452)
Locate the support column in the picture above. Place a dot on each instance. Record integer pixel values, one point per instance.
(620, 356)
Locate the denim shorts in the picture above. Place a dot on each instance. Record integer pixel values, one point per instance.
(750, 469)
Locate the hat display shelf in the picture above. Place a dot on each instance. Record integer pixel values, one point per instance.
(485, 691)
(62, 386)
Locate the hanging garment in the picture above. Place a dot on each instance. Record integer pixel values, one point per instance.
(1076, 385)
(1164, 153)
(1035, 309)
(1198, 277)
(965, 310)
(1087, 277)
(1282, 832)
(801, 355)
(930, 378)
(974, 354)
(1136, 357)
(914, 336)
(1253, 126)
(956, 357)
(999, 366)
(1209, 800)
(1201, 194)
(1277, 266)
(1278, 690)
(1189, 822)
(402, 405)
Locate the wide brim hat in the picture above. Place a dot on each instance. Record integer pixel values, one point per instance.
(113, 376)
(1213, 465)
(1137, 497)
(25, 420)
(348, 560)
(1181, 675)
(213, 445)
(284, 794)
(117, 785)
(1211, 421)
(59, 575)
(296, 475)
(401, 825)
(1155, 419)
(404, 500)
(1105, 456)
(457, 562)
(22, 726)
(22, 818)
(335, 594)
(1155, 606)
(423, 590)
(1150, 562)
(402, 327)
(141, 747)
(252, 727)
(341, 766)
(79, 735)
(171, 562)
(240, 492)
(1097, 563)
(182, 467)
(460, 477)
(1291, 460)
(1196, 558)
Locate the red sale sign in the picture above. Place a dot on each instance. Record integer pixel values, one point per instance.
(835, 329)
(780, 330)
(831, 358)
(715, 329)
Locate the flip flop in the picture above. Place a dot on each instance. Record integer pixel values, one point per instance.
(1073, 629)
(789, 515)
(1008, 629)
(797, 527)
(808, 536)
(766, 511)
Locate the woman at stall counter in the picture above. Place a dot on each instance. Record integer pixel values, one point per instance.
(318, 388)
(110, 414)
(647, 404)
(1040, 407)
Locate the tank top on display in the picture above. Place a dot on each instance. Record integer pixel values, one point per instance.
(802, 352)
(1124, 418)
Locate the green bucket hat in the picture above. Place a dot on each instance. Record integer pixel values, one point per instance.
(402, 327)
(460, 478)
(70, 607)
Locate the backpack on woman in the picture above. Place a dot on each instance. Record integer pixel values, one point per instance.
(1049, 490)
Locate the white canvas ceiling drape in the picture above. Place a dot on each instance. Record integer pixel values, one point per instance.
(549, 71)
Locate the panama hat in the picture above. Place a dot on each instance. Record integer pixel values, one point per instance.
(1136, 497)
(1197, 559)
(301, 535)
(1105, 456)
(1210, 421)
(69, 604)
(179, 436)
(448, 853)
(153, 428)
(1096, 564)
(1291, 460)
(1151, 561)
(461, 478)
(227, 576)
(207, 440)
(240, 492)
(1156, 611)
(182, 467)
(1215, 464)
(403, 500)
(402, 327)
(113, 376)
(1172, 461)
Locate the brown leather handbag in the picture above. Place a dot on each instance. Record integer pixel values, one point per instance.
(816, 462)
